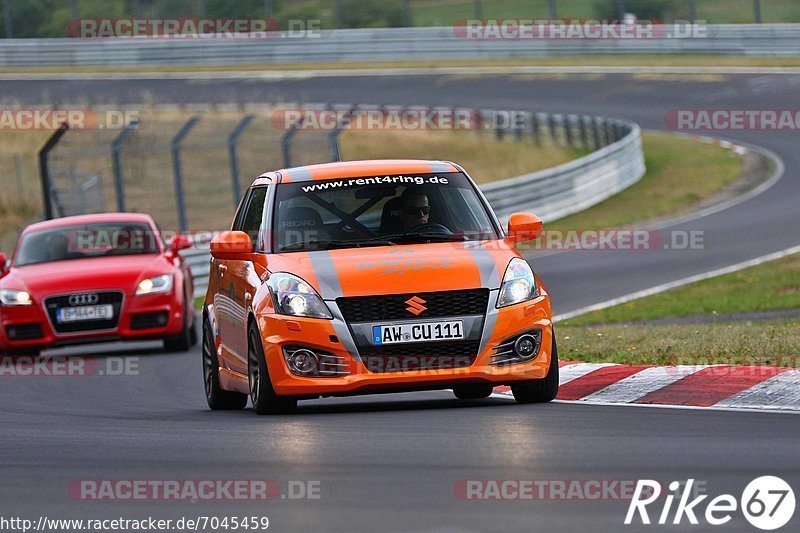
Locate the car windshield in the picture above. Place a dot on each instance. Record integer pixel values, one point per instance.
(379, 211)
(86, 240)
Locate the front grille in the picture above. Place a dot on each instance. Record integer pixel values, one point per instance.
(24, 332)
(54, 303)
(149, 320)
(393, 307)
(422, 356)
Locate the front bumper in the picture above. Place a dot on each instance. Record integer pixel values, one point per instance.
(28, 318)
(333, 337)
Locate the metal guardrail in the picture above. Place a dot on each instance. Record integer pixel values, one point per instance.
(553, 193)
(384, 44)
(574, 186)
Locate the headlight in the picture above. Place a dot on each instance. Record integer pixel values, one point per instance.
(12, 297)
(156, 285)
(293, 296)
(519, 284)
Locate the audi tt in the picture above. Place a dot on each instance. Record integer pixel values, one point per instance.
(95, 278)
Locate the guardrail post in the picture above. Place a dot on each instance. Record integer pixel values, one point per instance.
(535, 129)
(175, 148)
(566, 124)
(116, 165)
(333, 138)
(757, 11)
(44, 171)
(583, 132)
(551, 122)
(233, 138)
(609, 132)
(406, 14)
(286, 142)
(596, 132)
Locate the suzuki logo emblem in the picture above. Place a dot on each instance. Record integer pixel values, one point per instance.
(416, 305)
(84, 299)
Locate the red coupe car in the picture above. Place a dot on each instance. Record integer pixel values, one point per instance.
(95, 278)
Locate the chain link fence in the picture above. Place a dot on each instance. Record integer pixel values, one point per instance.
(188, 167)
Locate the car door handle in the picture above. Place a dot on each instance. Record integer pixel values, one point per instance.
(222, 269)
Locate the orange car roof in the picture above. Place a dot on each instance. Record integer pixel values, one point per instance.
(360, 169)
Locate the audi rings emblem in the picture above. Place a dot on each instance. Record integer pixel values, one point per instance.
(84, 299)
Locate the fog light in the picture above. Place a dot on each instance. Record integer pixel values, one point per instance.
(525, 345)
(302, 361)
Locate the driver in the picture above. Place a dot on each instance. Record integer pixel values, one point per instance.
(414, 208)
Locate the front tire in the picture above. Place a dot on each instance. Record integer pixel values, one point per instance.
(539, 390)
(262, 395)
(185, 339)
(473, 392)
(217, 398)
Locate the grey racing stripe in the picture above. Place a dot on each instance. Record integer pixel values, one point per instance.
(487, 266)
(330, 289)
(299, 174)
(491, 320)
(439, 166)
(327, 277)
(342, 331)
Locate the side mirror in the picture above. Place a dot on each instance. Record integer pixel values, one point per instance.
(231, 245)
(524, 227)
(178, 243)
(3, 264)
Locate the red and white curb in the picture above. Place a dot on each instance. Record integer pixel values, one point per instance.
(701, 386)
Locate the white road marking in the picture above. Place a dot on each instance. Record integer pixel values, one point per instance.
(573, 371)
(678, 283)
(778, 392)
(687, 407)
(642, 383)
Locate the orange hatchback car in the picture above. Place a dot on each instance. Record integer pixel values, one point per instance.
(363, 277)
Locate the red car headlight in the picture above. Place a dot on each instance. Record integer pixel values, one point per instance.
(13, 297)
(156, 285)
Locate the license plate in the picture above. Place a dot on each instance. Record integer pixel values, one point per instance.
(417, 332)
(85, 313)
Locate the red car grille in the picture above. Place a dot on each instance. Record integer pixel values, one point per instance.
(54, 303)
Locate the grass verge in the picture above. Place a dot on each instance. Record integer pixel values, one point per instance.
(771, 286)
(680, 173)
(485, 158)
(773, 343)
(632, 60)
(614, 335)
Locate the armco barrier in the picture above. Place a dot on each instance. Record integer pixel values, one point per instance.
(551, 193)
(384, 44)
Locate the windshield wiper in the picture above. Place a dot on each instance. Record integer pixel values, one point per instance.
(449, 237)
(326, 244)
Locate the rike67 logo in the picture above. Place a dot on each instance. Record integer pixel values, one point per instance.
(767, 503)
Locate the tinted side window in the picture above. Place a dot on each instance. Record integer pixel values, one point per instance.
(251, 221)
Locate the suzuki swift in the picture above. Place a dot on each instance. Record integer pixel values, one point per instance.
(363, 277)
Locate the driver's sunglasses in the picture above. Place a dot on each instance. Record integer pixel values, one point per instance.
(424, 210)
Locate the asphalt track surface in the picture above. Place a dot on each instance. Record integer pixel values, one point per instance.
(391, 462)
